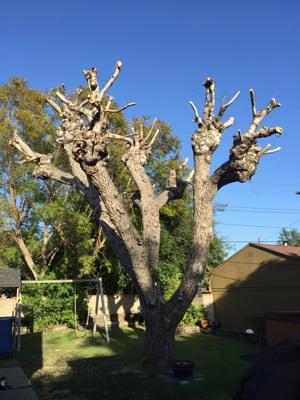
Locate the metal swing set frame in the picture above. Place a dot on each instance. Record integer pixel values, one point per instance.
(10, 278)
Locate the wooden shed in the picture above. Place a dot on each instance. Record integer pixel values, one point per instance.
(257, 279)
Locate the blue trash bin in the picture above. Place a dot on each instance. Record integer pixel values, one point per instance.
(6, 338)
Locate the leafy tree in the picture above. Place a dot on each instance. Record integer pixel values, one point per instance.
(216, 255)
(43, 225)
(23, 109)
(85, 135)
(289, 236)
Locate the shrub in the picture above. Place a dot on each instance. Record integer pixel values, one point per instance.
(193, 315)
(50, 304)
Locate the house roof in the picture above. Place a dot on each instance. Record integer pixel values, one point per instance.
(10, 278)
(278, 249)
(282, 250)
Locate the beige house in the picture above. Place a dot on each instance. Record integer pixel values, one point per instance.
(258, 278)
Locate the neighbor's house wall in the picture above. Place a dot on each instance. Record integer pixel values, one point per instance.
(251, 282)
(208, 304)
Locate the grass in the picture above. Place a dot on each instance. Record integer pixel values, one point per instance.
(62, 365)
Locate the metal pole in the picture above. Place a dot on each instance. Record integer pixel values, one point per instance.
(104, 311)
(59, 281)
(96, 309)
(75, 307)
(18, 321)
(19, 310)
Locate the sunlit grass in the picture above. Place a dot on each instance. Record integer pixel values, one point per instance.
(63, 365)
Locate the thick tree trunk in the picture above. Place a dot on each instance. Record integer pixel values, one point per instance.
(159, 345)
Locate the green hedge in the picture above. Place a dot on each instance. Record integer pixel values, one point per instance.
(47, 305)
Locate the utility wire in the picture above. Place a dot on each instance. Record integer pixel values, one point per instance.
(249, 211)
(251, 226)
(289, 226)
(223, 208)
(251, 241)
(276, 184)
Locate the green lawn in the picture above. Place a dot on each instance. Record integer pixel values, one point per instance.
(64, 366)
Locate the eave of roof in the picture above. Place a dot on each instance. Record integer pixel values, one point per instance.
(278, 249)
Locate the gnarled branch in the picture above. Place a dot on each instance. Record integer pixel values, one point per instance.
(44, 167)
(245, 153)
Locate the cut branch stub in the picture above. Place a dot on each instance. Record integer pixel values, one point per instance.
(175, 188)
(84, 131)
(210, 128)
(139, 144)
(91, 77)
(209, 107)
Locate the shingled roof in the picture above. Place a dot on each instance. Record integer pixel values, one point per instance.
(279, 249)
(10, 278)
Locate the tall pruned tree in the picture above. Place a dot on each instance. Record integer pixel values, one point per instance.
(85, 136)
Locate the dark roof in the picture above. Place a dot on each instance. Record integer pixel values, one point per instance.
(10, 278)
(280, 249)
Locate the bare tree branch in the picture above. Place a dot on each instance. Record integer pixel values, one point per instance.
(115, 136)
(253, 103)
(63, 98)
(141, 133)
(111, 80)
(209, 99)
(228, 123)
(44, 168)
(121, 109)
(197, 118)
(258, 116)
(54, 105)
(267, 150)
(273, 150)
(224, 107)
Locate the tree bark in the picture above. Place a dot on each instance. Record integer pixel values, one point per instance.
(26, 254)
(159, 344)
(19, 216)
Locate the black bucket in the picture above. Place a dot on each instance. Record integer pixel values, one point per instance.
(183, 369)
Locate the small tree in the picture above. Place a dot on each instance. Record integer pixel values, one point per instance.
(289, 237)
(85, 136)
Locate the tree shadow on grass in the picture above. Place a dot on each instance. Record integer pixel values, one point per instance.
(31, 354)
(90, 368)
(110, 378)
(218, 358)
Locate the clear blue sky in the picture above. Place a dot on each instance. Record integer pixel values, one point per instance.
(168, 48)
